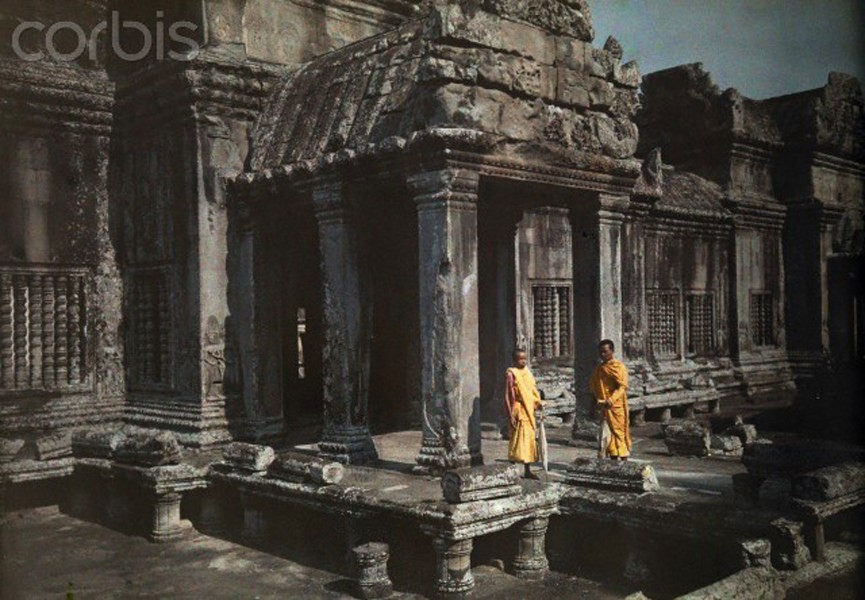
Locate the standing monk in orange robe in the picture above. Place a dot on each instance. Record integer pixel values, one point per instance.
(609, 384)
(522, 399)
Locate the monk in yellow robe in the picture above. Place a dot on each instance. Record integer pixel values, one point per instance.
(522, 399)
(609, 385)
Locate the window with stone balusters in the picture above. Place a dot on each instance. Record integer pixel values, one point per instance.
(762, 318)
(700, 323)
(662, 308)
(551, 308)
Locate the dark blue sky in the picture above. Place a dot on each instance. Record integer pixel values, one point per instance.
(762, 47)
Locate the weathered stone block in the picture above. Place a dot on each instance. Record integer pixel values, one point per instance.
(619, 476)
(486, 29)
(303, 467)
(756, 553)
(747, 433)
(571, 88)
(571, 18)
(249, 457)
(573, 55)
(629, 75)
(56, 445)
(829, 483)
(480, 483)
(96, 443)
(788, 545)
(148, 449)
(726, 445)
(687, 439)
(604, 65)
(9, 449)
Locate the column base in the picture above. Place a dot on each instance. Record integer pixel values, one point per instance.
(350, 445)
(434, 459)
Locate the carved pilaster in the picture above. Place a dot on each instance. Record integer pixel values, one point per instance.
(166, 525)
(447, 238)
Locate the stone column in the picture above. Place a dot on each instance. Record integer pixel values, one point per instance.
(454, 577)
(373, 580)
(347, 329)
(211, 515)
(597, 246)
(531, 560)
(166, 525)
(447, 238)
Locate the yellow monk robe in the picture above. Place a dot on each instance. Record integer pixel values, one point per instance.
(610, 382)
(522, 399)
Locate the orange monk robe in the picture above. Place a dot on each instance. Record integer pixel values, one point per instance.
(610, 382)
(521, 401)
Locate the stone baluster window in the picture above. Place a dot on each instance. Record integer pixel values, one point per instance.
(149, 328)
(43, 327)
(551, 308)
(762, 318)
(700, 323)
(662, 307)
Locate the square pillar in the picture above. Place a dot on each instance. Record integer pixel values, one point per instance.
(597, 247)
(446, 202)
(347, 329)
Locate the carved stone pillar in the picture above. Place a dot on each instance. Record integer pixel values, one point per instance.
(49, 373)
(347, 329)
(166, 525)
(454, 577)
(447, 238)
(211, 515)
(597, 247)
(531, 560)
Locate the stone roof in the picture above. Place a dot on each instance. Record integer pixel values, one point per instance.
(690, 194)
(519, 72)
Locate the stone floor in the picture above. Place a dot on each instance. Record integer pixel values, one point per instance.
(45, 551)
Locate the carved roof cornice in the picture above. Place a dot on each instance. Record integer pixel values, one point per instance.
(45, 98)
(206, 86)
(437, 149)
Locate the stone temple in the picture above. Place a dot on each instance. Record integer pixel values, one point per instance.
(328, 221)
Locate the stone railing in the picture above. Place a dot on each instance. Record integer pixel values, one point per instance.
(43, 324)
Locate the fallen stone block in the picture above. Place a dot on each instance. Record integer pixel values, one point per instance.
(726, 445)
(795, 457)
(56, 445)
(789, 551)
(745, 432)
(305, 468)
(248, 457)
(620, 476)
(96, 443)
(148, 449)
(481, 483)
(687, 439)
(829, 483)
(9, 449)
